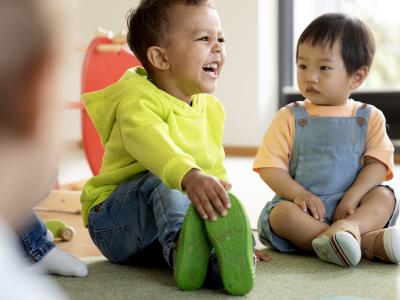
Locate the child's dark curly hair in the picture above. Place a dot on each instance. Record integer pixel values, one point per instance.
(149, 23)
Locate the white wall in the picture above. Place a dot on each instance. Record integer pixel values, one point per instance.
(247, 85)
(87, 16)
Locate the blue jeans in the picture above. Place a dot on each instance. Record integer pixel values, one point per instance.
(32, 234)
(140, 217)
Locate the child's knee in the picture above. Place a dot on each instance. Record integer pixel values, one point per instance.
(385, 195)
(118, 244)
(283, 212)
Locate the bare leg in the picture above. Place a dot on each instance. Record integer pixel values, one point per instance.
(375, 210)
(288, 221)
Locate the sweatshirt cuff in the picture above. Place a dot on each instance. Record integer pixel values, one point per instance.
(176, 169)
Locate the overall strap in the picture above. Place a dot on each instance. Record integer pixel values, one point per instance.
(300, 112)
(362, 114)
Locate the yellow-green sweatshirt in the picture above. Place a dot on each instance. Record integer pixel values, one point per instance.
(144, 128)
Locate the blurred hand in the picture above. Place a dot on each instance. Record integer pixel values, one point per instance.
(307, 201)
(207, 194)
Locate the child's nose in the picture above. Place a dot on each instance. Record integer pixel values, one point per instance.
(218, 47)
(312, 77)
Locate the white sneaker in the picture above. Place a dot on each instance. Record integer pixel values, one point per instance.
(340, 248)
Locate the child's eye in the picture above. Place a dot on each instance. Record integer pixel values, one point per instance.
(303, 67)
(325, 68)
(221, 40)
(204, 38)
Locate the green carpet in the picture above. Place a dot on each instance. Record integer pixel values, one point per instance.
(285, 277)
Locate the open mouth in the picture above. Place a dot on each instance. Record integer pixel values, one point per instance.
(211, 69)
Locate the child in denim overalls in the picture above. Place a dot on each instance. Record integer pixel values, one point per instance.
(326, 156)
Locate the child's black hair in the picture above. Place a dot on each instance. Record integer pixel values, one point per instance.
(356, 40)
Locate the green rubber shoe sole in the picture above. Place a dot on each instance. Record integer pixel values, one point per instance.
(232, 240)
(193, 252)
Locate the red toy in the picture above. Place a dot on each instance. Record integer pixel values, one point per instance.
(105, 62)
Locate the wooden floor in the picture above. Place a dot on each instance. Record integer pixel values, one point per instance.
(81, 245)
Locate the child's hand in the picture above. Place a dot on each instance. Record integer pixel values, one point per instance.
(345, 208)
(227, 186)
(308, 201)
(206, 193)
(262, 255)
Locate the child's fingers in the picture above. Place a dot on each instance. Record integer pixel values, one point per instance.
(262, 255)
(227, 186)
(208, 207)
(217, 203)
(321, 214)
(313, 209)
(197, 204)
(302, 205)
(321, 210)
(223, 196)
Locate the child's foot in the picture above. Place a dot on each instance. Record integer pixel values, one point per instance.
(232, 240)
(49, 236)
(193, 252)
(383, 244)
(340, 244)
(58, 262)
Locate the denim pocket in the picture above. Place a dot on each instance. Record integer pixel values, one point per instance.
(327, 170)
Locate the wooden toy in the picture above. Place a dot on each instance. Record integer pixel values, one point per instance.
(60, 230)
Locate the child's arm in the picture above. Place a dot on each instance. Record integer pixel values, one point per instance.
(206, 193)
(283, 184)
(372, 174)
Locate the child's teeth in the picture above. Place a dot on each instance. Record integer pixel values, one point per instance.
(211, 66)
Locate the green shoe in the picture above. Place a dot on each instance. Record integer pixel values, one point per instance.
(193, 252)
(232, 240)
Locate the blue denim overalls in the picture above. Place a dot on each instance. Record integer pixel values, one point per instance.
(325, 159)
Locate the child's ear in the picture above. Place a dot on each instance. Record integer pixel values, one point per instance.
(158, 58)
(358, 77)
